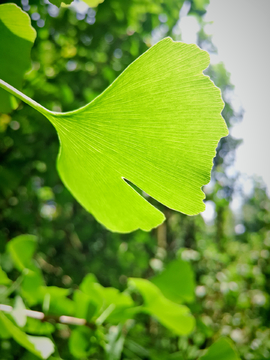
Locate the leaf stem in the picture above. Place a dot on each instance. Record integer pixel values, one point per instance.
(12, 90)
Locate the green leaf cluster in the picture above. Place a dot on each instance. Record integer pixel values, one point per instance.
(107, 311)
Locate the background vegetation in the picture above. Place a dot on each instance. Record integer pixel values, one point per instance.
(75, 57)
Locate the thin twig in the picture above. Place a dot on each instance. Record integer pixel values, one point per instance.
(63, 319)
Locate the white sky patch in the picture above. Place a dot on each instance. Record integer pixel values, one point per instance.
(210, 212)
(241, 32)
(189, 28)
(80, 7)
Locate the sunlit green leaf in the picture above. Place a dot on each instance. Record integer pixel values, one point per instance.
(177, 281)
(86, 306)
(21, 249)
(201, 4)
(40, 346)
(157, 126)
(16, 40)
(222, 349)
(174, 316)
(93, 3)
(87, 282)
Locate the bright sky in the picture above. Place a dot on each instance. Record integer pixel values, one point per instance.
(241, 32)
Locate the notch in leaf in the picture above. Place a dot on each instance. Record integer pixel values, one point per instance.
(157, 126)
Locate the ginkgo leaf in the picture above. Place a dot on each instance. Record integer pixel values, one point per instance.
(16, 40)
(156, 126)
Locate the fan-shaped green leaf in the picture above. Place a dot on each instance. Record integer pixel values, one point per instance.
(157, 126)
(174, 316)
(16, 40)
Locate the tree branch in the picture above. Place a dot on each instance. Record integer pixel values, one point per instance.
(63, 319)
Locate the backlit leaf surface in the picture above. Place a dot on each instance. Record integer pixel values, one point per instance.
(16, 40)
(157, 126)
(93, 3)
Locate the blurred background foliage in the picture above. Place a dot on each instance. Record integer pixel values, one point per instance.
(78, 52)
